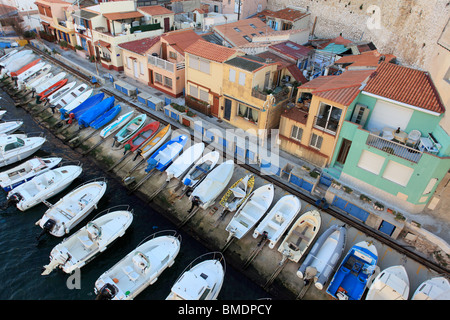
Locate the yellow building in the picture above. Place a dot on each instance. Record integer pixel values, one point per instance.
(310, 129)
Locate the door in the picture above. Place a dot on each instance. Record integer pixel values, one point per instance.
(227, 113)
(150, 76)
(164, 51)
(166, 24)
(136, 69)
(343, 152)
(215, 106)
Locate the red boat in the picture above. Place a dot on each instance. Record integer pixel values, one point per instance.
(25, 68)
(145, 133)
(50, 90)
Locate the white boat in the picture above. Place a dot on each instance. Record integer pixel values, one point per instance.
(51, 81)
(324, 256)
(75, 102)
(14, 57)
(116, 125)
(139, 269)
(61, 92)
(84, 245)
(278, 219)
(301, 235)
(15, 147)
(251, 211)
(237, 193)
(69, 211)
(213, 185)
(43, 186)
(200, 169)
(391, 284)
(38, 81)
(437, 288)
(35, 77)
(11, 178)
(184, 161)
(10, 126)
(70, 96)
(201, 280)
(2, 113)
(19, 63)
(28, 73)
(8, 54)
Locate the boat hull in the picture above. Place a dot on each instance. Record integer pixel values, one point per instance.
(34, 144)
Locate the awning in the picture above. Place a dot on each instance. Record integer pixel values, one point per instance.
(104, 44)
(123, 15)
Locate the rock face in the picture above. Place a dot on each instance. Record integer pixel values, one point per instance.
(409, 29)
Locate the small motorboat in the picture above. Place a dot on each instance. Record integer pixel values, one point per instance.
(391, 284)
(8, 54)
(139, 269)
(354, 273)
(38, 81)
(63, 216)
(61, 92)
(105, 118)
(50, 90)
(93, 113)
(14, 57)
(35, 77)
(30, 72)
(70, 96)
(74, 103)
(142, 135)
(184, 161)
(26, 171)
(201, 280)
(17, 64)
(10, 126)
(278, 219)
(250, 212)
(437, 288)
(214, 183)
(84, 245)
(43, 186)
(116, 125)
(237, 193)
(301, 235)
(324, 256)
(25, 68)
(146, 149)
(130, 129)
(84, 106)
(163, 157)
(15, 148)
(201, 169)
(49, 82)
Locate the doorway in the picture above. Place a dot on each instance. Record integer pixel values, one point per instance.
(343, 152)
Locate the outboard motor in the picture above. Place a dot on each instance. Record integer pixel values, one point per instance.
(107, 292)
(12, 200)
(138, 152)
(47, 227)
(264, 237)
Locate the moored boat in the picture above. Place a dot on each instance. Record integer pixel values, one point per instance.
(30, 72)
(10, 126)
(237, 193)
(141, 136)
(105, 118)
(391, 284)
(65, 110)
(163, 157)
(437, 288)
(116, 125)
(42, 73)
(84, 245)
(146, 149)
(140, 268)
(90, 115)
(84, 106)
(50, 90)
(17, 64)
(14, 57)
(61, 92)
(14, 148)
(184, 161)
(278, 219)
(129, 129)
(70, 96)
(49, 82)
(324, 256)
(25, 68)
(200, 169)
(42, 78)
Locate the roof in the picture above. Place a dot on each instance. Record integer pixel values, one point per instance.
(140, 46)
(366, 59)
(52, 1)
(337, 41)
(406, 85)
(210, 51)
(273, 58)
(291, 49)
(155, 10)
(248, 62)
(297, 73)
(234, 32)
(180, 39)
(123, 15)
(86, 14)
(286, 14)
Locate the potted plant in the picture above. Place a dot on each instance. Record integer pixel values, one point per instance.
(347, 189)
(335, 184)
(378, 206)
(64, 45)
(365, 198)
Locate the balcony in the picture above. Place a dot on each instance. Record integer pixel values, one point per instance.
(394, 148)
(164, 64)
(279, 93)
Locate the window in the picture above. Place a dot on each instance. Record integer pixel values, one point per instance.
(242, 78)
(430, 186)
(193, 91)
(397, 173)
(172, 55)
(158, 78)
(199, 64)
(141, 67)
(316, 141)
(371, 162)
(237, 29)
(168, 82)
(247, 38)
(128, 63)
(296, 133)
(204, 66)
(193, 63)
(204, 95)
(252, 25)
(248, 113)
(232, 75)
(328, 118)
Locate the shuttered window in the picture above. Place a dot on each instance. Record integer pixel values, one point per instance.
(204, 66)
(232, 75)
(398, 173)
(193, 91)
(204, 95)
(242, 78)
(371, 162)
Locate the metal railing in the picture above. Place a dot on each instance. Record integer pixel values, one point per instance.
(166, 65)
(394, 148)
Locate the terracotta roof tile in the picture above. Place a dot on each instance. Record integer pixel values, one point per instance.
(291, 49)
(234, 32)
(287, 14)
(365, 59)
(122, 15)
(180, 40)
(140, 46)
(406, 85)
(155, 10)
(297, 73)
(210, 51)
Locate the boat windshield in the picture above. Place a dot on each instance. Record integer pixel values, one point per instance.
(17, 144)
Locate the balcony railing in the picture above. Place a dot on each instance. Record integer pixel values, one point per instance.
(394, 148)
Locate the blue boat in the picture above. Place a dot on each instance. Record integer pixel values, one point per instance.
(164, 156)
(354, 273)
(106, 117)
(85, 105)
(96, 111)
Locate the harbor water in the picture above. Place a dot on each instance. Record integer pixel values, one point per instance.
(22, 256)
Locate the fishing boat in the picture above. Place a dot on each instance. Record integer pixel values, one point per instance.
(63, 216)
(200, 169)
(8, 54)
(184, 161)
(14, 57)
(324, 255)
(43, 186)
(25, 68)
(93, 113)
(50, 90)
(130, 129)
(10, 126)
(30, 72)
(140, 268)
(70, 96)
(38, 81)
(105, 118)
(26, 171)
(237, 193)
(201, 280)
(84, 245)
(278, 219)
(65, 110)
(116, 125)
(301, 235)
(141, 136)
(391, 284)
(163, 157)
(17, 63)
(146, 149)
(250, 212)
(61, 92)
(354, 273)
(15, 148)
(437, 288)
(214, 183)
(84, 106)
(42, 73)
(49, 82)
